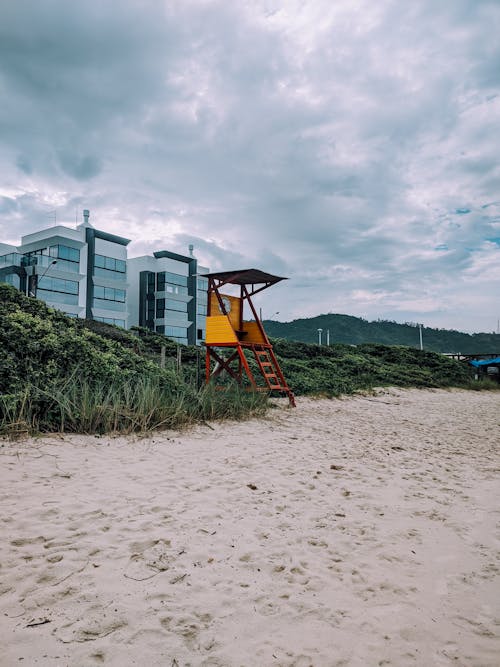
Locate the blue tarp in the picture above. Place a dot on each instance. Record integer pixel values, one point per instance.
(484, 362)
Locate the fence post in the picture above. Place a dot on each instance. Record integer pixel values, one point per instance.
(162, 356)
(198, 370)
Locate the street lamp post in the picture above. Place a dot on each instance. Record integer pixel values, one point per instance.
(320, 331)
(260, 313)
(33, 288)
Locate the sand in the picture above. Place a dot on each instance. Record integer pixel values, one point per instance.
(362, 531)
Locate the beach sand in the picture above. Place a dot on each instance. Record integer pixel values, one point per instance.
(356, 532)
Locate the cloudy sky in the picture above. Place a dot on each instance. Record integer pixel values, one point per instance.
(350, 145)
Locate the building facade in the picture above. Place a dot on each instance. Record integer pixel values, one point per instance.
(85, 273)
(168, 294)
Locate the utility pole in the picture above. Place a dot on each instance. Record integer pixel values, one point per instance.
(421, 341)
(328, 337)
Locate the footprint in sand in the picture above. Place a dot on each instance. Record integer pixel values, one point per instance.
(94, 624)
(150, 559)
(189, 627)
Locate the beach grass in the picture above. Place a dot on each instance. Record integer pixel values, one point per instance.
(140, 404)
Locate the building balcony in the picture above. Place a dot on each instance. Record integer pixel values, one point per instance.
(11, 259)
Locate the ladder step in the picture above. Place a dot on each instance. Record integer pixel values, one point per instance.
(271, 371)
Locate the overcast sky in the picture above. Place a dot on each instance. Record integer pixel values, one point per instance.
(350, 145)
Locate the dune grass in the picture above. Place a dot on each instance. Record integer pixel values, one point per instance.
(137, 405)
(59, 374)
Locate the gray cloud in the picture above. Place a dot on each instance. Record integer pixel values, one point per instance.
(325, 142)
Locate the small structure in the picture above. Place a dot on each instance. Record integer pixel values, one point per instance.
(489, 368)
(227, 330)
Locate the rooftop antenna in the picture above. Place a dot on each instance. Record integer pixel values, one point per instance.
(53, 213)
(191, 249)
(86, 214)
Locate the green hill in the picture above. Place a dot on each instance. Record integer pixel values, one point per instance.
(355, 331)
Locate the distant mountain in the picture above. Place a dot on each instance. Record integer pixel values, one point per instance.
(355, 331)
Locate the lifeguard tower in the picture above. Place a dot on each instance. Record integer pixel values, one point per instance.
(226, 328)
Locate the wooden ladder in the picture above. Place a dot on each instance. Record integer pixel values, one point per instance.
(271, 371)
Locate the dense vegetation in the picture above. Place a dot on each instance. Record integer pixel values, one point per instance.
(356, 331)
(63, 374)
(344, 369)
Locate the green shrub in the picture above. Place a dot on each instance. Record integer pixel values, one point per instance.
(344, 369)
(63, 374)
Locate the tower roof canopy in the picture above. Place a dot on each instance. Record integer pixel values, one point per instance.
(245, 277)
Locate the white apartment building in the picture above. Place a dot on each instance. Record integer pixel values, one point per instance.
(168, 294)
(85, 273)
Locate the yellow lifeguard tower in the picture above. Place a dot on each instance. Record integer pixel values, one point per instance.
(226, 328)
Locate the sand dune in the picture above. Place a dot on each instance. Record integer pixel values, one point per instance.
(362, 531)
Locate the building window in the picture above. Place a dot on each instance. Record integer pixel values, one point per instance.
(57, 252)
(179, 306)
(68, 259)
(175, 332)
(104, 266)
(163, 305)
(65, 252)
(12, 259)
(174, 289)
(172, 283)
(10, 279)
(160, 308)
(109, 293)
(199, 334)
(58, 290)
(202, 284)
(165, 277)
(178, 334)
(57, 285)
